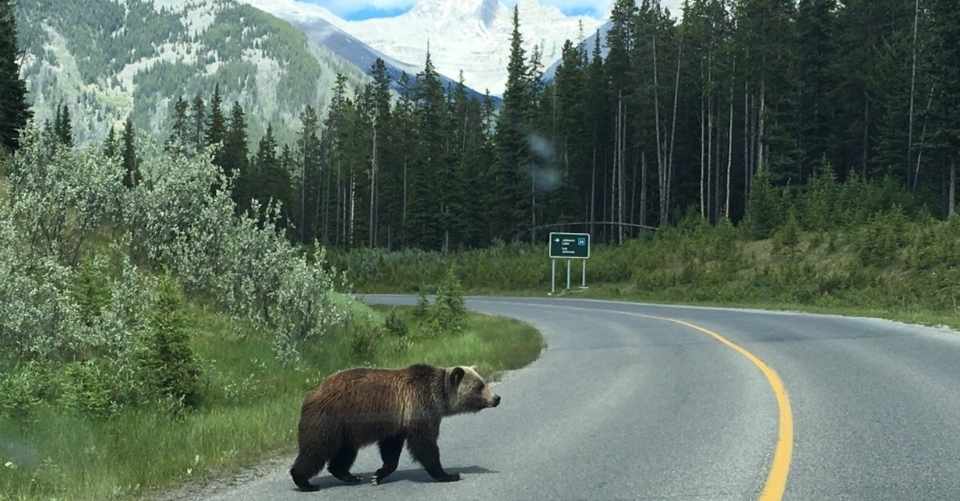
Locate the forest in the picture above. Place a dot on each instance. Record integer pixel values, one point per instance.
(682, 114)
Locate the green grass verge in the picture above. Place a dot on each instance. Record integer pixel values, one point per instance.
(249, 411)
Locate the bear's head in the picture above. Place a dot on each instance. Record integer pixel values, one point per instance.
(468, 392)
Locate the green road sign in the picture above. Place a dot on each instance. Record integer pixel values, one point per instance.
(570, 245)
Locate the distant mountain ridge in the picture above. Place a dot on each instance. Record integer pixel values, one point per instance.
(107, 59)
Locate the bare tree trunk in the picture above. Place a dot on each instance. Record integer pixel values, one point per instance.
(726, 210)
(373, 190)
(703, 144)
(923, 138)
(643, 188)
(866, 131)
(353, 206)
(623, 160)
(913, 88)
(673, 127)
(952, 202)
(746, 144)
(761, 135)
(593, 191)
(710, 177)
(661, 165)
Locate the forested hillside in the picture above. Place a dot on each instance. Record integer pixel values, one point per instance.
(106, 60)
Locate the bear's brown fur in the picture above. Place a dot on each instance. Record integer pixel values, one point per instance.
(358, 407)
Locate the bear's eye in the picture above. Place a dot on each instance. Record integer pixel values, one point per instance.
(480, 387)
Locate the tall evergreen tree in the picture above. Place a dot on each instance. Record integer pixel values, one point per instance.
(130, 160)
(63, 126)
(110, 143)
(235, 157)
(216, 127)
(513, 172)
(14, 111)
(180, 134)
(426, 204)
(199, 118)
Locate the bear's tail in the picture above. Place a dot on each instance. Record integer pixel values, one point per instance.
(303, 469)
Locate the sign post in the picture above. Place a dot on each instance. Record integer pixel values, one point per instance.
(569, 246)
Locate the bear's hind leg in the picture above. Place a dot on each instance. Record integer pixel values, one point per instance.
(425, 451)
(341, 463)
(390, 449)
(304, 468)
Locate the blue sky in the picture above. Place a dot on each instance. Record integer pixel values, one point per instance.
(364, 9)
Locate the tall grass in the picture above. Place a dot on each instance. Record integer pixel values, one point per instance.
(250, 408)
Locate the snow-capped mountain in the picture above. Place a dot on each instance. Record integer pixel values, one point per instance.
(472, 36)
(325, 29)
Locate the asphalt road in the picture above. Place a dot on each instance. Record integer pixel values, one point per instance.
(625, 406)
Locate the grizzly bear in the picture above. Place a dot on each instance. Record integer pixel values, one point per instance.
(358, 407)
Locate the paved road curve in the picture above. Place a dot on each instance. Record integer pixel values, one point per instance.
(625, 406)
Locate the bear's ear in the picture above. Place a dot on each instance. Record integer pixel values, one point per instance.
(456, 375)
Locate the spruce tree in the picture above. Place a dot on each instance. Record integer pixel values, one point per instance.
(110, 143)
(130, 160)
(512, 178)
(179, 139)
(216, 127)
(426, 205)
(235, 156)
(14, 111)
(199, 117)
(63, 126)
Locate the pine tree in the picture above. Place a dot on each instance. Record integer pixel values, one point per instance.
(270, 181)
(235, 157)
(817, 47)
(110, 143)
(426, 203)
(130, 160)
(308, 159)
(198, 129)
(14, 111)
(947, 61)
(179, 138)
(513, 171)
(216, 127)
(63, 126)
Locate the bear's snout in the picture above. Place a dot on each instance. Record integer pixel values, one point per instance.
(495, 401)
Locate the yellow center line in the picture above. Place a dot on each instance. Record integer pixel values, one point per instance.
(776, 482)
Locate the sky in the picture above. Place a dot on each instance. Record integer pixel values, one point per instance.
(365, 9)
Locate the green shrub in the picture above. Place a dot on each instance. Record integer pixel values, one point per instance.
(449, 313)
(787, 237)
(395, 325)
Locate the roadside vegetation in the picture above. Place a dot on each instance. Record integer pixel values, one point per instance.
(857, 247)
(152, 334)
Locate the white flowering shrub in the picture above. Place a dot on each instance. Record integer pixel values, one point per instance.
(59, 196)
(104, 326)
(305, 304)
(182, 218)
(38, 318)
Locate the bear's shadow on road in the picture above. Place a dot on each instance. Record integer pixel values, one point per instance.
(418, 475)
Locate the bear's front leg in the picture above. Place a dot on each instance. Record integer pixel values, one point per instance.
(426, 452)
